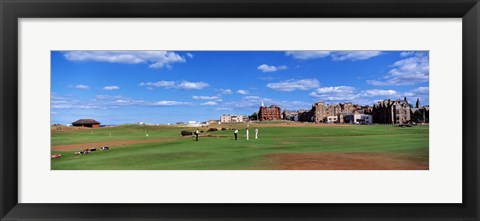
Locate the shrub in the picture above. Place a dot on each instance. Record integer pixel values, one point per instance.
(212, 129)
(201, 131)
(223, 128)
(186, 133)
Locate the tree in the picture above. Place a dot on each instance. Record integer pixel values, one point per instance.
(417, 117)
(253, 116)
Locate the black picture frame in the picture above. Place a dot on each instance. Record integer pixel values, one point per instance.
(12, 10)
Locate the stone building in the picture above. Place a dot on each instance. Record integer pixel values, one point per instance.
(322, 111)
(358, 119)
(348, 108)
(269, 113)
(383, 112)
(231, 118)
(319, 112)
(366, 109)
(332, 119)
(306, 115)
(420, 114)
(391, 112)
(290, 115)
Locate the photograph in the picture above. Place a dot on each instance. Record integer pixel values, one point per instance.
(239, 110)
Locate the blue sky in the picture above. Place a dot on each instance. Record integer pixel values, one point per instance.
(116, 87)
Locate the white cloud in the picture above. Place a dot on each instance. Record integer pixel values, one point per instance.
(350, 94)
(98, 102)
(170, 103)
(354, 55)
(292, 85)
(154, 59)
(59, 102)
(252, 103)
(339, 93)
(107, 102)
(251, 98)
(406, 53)
(223, 109)
(209, 103)
(159, 84)
(306, 55)
(205, 97)
(249, 102)
(421, 92)
(121, 101)
(111, 88)
(271, 68)
(188, 85)
(408, 71)
(377, 92)
(190, 55)
(335, 55)
(243, 92)
(226, 91)
(81, 86)
(339, 89)
(293, 105)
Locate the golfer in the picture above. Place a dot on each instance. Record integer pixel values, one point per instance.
(256, 133)
(235, 133)
(247, 133)
(196, 134)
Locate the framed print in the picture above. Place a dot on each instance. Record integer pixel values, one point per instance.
(239, 110)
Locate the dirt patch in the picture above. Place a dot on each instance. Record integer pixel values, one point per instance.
(344, 161)
(205, 135)
(116, 143)
(211, 135)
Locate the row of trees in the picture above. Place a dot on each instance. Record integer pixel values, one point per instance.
(253, 116)
(418, 117)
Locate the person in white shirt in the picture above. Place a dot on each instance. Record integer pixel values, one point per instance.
(256, 133)
(235, 133)
(196, 135)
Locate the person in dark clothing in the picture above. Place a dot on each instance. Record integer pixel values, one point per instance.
(235, 133)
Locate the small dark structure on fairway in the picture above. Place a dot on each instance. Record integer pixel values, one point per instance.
(86, 123)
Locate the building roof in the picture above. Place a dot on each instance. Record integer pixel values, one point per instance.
(86, 121)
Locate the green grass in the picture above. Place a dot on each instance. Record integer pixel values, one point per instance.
(224, 153)
(125, 132)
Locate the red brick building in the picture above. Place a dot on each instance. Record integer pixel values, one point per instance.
(269, 113)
